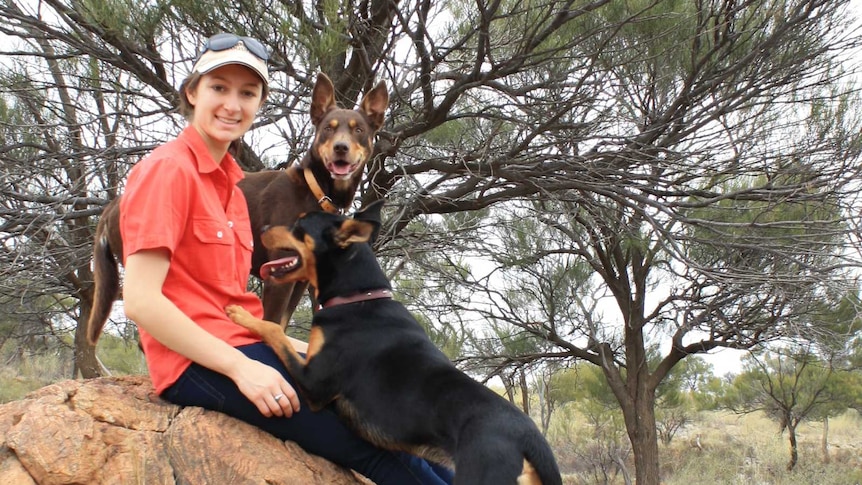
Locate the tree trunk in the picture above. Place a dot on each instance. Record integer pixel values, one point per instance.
(508, 383)
(644, 439)
(86, 362)
(794, 446)
(824, 441)
(635, 392)
(544, 411)
(621, 464)
(525, 392)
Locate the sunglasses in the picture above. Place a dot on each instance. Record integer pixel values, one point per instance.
(224, 41)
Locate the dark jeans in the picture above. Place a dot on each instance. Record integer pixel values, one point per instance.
(321, 433)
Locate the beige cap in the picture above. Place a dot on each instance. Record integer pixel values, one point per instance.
(237, 54)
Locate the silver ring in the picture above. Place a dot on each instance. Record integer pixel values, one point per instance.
(277, 397)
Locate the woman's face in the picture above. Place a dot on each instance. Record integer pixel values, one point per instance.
(225, 103)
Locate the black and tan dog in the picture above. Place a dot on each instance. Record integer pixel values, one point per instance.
(369, 357)
(326, 179)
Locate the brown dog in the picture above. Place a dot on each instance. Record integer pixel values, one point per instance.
(326, 178)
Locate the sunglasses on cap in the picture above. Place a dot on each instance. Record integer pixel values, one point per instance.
(224, 41)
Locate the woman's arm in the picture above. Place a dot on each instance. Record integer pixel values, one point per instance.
(145, 273)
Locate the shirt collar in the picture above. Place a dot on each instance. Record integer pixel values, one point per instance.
(204, 160)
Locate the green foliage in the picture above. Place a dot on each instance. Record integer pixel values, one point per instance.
(711, 395)
(14, 387)
(791, 386)
(593, 390)
(23, 371)
(445, 337)
(15, 135)
(588, 430)
(653, 31)
(331, 43)
(126, 19)
(733, 231)
(839, 327)
(564, 386)
(121, 355)
(693, 373)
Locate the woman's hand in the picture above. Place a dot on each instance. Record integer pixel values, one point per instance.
(262, 384)
(151, 310)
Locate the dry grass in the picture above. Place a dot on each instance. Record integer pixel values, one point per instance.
(732, 449)
(26, 373)
(749, 450)
(23, 372)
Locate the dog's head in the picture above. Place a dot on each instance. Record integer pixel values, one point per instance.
(317, 242)
(344, 138)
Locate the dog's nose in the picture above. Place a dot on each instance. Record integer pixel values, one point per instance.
(341, 148)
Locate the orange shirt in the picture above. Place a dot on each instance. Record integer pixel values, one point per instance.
(179, 199)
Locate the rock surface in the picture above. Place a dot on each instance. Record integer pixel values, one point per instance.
(117, 431)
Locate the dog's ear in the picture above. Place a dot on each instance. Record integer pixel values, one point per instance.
(353, 231)
(371, 214)
(374, 105)
(322, 98)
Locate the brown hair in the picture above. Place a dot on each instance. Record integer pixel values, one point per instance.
(190, 83)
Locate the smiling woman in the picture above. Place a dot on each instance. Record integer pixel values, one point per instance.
(225, 102)
(187, 246)
(228, 85)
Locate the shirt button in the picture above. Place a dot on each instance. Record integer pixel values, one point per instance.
(219, 234)
(230, 224)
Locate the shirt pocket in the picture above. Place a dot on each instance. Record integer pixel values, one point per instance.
(213, 259)
(244, 236)
(244, 250)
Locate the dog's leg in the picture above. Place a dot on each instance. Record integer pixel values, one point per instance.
(528, 475)
(272, 335)
(486, 459)
(296, 295)
(318, 391)
(275, 302)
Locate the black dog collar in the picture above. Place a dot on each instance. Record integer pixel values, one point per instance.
(364, 296)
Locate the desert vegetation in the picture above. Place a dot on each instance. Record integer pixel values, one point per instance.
(705, 442)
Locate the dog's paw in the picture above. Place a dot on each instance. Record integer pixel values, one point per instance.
(237, 313)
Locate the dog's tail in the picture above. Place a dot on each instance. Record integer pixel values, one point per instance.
(106, 278)
(540, 466)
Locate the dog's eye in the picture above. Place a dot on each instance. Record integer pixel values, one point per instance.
(358, 130)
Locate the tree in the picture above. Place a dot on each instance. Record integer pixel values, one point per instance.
(808, 378)
(609, 123)
(604, 451)
(723, 219)
(791, 386)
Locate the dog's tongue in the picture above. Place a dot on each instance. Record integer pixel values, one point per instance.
(339, 168)
(275, 265)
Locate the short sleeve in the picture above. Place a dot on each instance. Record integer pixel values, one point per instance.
(155, 206)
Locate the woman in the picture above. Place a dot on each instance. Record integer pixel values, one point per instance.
(187, 250)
